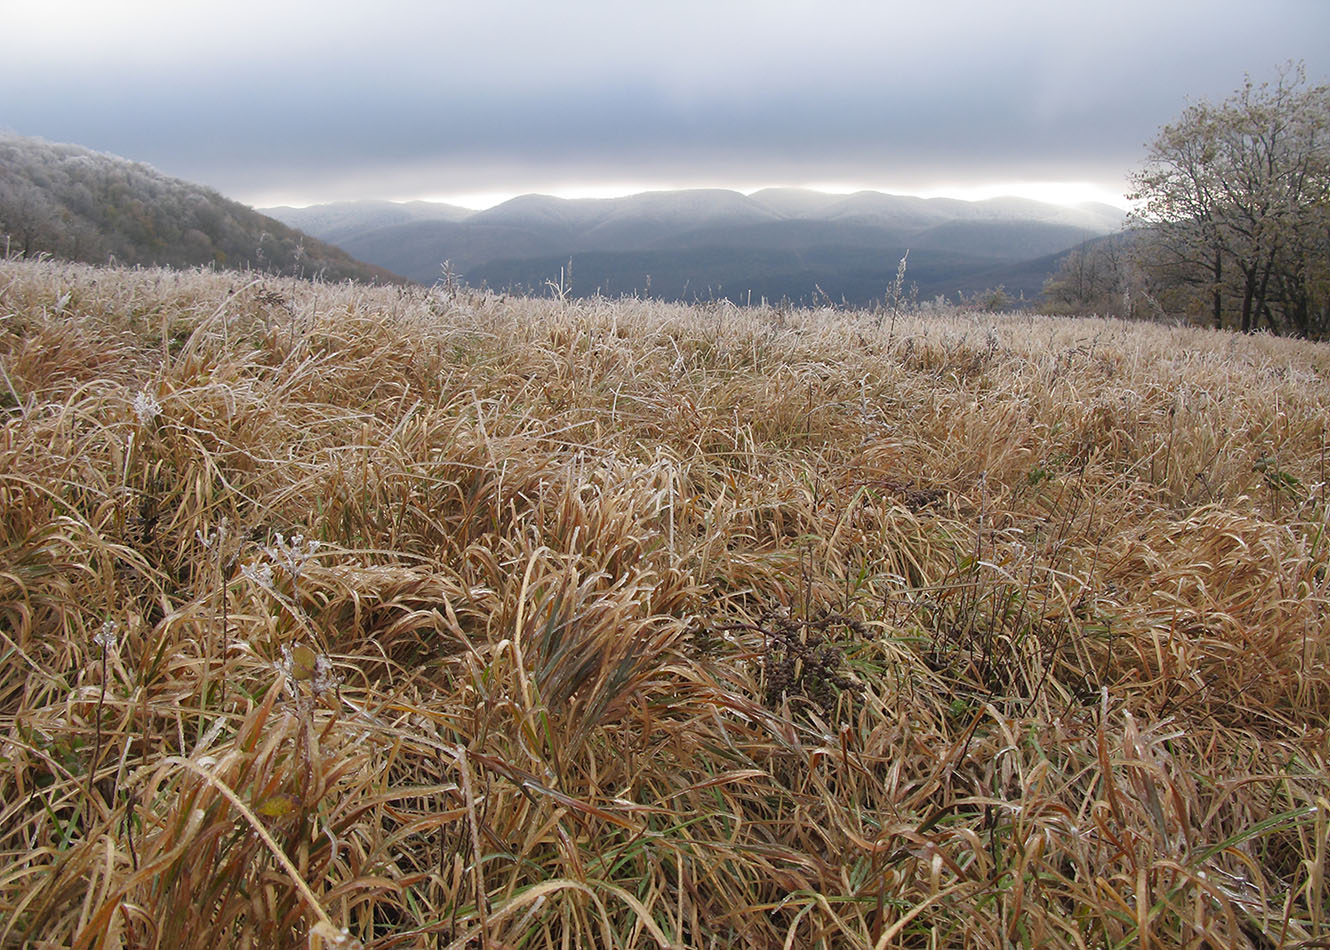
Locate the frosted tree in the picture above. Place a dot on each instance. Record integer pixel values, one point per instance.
(1235, 198)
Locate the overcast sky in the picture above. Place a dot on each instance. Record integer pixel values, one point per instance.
(302, 102)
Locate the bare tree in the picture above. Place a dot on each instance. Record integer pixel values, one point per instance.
(1234, 196)
(1099, 276)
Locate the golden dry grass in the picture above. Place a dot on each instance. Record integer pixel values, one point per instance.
(334, 616)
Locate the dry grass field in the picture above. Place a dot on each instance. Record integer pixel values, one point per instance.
(337, 616)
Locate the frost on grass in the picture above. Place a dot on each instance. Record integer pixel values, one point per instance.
(146, 407)
(655, 625)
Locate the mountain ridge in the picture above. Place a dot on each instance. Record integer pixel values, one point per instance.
(617, 243)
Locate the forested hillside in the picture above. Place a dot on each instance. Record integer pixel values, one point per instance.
(80, 205)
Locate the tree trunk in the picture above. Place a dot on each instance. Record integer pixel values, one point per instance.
(1262, 292)
(1301, 318)
(1270, 319)
(1248, 298)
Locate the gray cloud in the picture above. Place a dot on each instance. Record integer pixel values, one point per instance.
(315, 102)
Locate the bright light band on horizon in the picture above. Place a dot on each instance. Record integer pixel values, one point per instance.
(1058, 193)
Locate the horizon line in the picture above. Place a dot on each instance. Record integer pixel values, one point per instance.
(1065, 194)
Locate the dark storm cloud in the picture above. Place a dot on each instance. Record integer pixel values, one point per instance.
(324, 101)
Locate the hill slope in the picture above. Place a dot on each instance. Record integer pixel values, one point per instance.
(651, 625)
(712, 242)
(81, 205)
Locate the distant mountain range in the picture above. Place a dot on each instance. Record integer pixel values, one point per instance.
(77, 204)
(779, 243)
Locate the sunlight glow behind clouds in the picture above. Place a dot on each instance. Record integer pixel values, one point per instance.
(312, 101)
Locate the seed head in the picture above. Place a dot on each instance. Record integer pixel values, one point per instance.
(260, 574)
(146, 407)
(107, 636)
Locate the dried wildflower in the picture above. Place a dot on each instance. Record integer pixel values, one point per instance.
(292, 555)
(146, 407)
(107, 637)
(804, 658)
(260, 574)
(300, 661)
(215, 538)
(325, 678)
(303, 664)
